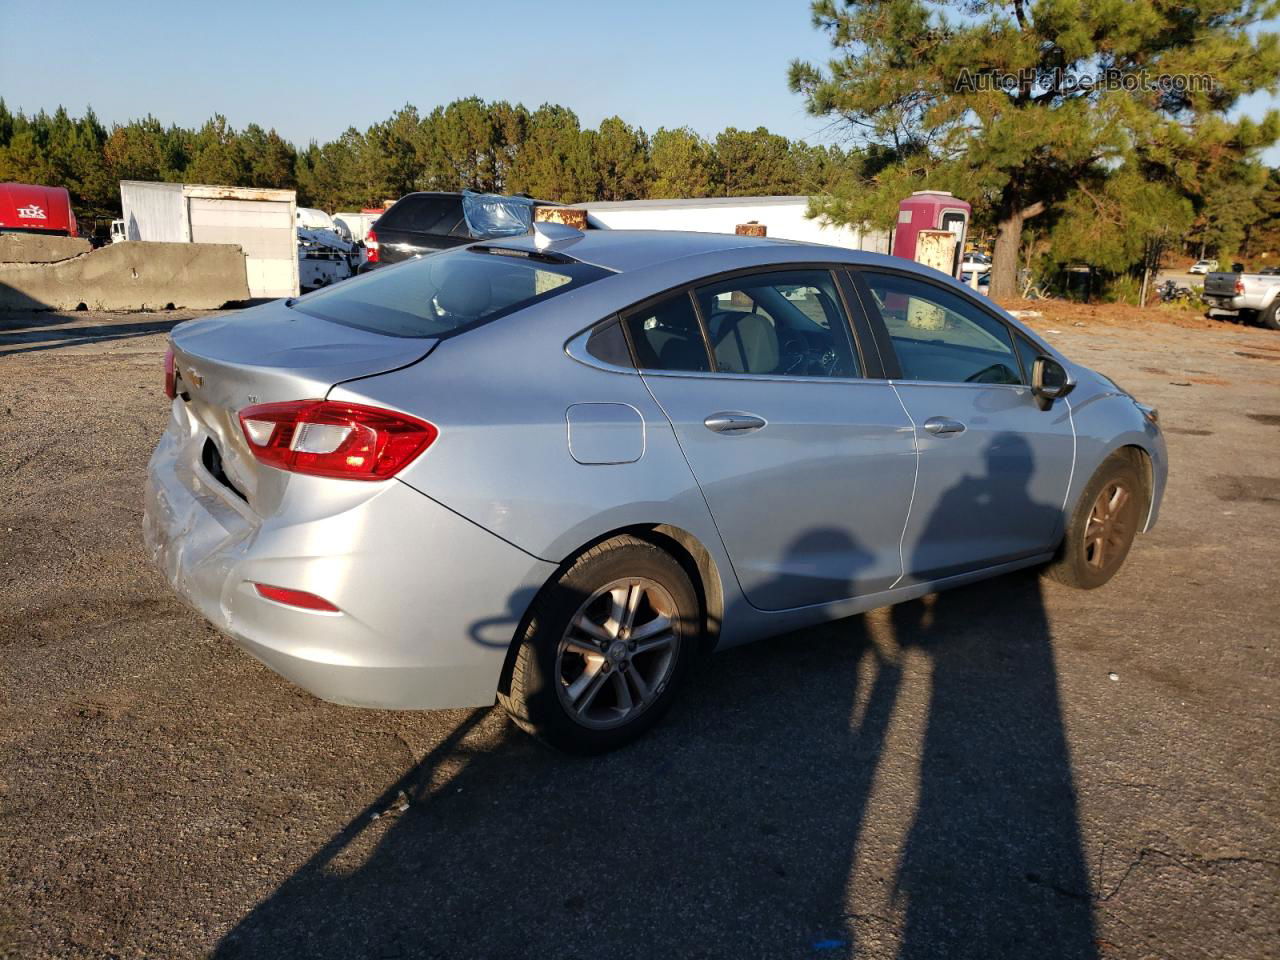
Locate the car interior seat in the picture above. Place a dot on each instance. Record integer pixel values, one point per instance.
(745, 342)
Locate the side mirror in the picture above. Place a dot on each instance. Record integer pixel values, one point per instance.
(1049, 381)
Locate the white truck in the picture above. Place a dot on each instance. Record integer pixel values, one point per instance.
(1249, 296)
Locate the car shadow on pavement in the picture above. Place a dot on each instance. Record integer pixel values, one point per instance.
(736, 827)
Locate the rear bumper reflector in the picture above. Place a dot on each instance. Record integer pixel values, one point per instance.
(295, 598)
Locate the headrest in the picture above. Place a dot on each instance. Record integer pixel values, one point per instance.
(746, 343)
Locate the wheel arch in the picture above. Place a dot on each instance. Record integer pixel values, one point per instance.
(683, 546)
(1142, 460)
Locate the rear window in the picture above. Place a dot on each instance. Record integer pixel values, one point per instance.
(437, 215)
(446, 293)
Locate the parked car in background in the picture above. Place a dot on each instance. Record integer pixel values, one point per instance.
(1203, 266)
(556, 469)
(421, 223)
(28, 208)
(975, 263)
(1249, 296)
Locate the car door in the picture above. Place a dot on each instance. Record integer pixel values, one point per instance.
(994, 466)
(806, 463)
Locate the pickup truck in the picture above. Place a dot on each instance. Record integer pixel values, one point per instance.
(1246, 295)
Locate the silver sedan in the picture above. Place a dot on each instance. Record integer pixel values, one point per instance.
(554, 470)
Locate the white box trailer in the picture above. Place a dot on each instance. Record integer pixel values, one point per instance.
(356, 225)
(783, 217)
(260, 220)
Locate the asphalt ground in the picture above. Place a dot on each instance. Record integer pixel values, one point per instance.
(1013, 769)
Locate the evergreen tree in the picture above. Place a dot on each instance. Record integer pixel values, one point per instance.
(622, 160)
(756, 163)
(554, 162)
(684, 165)
(216, 155)
(269, 159)
(25, 160)
(914, 78)
(1263, 234)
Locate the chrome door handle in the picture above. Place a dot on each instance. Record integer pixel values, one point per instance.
(727, 422)
(941, 426)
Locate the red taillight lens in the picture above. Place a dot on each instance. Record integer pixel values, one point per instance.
(1239, 287)
(170, 375)
(295, 598)
(328, 439)
(371, 247)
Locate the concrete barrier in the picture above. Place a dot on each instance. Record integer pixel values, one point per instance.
(39, 247)
(129, 276)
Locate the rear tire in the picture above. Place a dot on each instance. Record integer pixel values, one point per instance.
(605, 648)
(1270, 317)
(1102, 527)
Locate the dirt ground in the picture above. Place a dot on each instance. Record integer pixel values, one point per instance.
(1011, 770)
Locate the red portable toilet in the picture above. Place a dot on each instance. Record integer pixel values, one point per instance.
(931, 229)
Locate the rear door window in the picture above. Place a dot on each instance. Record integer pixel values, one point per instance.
(666, 336)
(446, 293)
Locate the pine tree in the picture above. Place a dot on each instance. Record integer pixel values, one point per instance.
(756, 163)
(684, 165)
(915, 79)
(622, 160)
(554, 162)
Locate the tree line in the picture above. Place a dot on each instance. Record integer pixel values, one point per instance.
(1109, 176)
(469, 143)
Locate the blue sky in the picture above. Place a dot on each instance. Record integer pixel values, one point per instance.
(302, 67)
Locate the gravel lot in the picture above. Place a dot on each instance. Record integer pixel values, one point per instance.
(1012, 770)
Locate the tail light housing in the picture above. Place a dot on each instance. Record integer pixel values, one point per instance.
(1239, 287)
(329, 439)
(371, 247)
(170, 375)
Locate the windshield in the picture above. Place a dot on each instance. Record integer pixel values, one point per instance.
(446, 293)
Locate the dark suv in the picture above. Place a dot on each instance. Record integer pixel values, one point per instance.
(417, 224)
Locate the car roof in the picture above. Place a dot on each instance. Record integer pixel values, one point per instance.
(627, 250)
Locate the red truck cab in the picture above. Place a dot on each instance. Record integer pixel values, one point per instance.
(25, 208)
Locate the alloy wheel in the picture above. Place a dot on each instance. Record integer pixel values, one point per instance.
(1111, 526)
(618, 653)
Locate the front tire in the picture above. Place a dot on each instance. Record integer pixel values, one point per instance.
(605, 648)
(1103, 526)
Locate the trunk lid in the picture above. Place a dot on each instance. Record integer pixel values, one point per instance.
(264, 355)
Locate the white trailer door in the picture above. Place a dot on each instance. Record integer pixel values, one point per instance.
(264, 229)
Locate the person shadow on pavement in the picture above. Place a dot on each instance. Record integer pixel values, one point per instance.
(733, 828)
(993, 865)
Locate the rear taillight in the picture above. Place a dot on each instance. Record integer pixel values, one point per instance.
(295, 598)
(328, 439)
(371, 247)
(1239, 287)
(170, 375)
